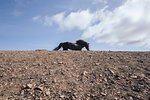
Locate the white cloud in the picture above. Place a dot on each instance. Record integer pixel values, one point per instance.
(80, 20)
(36, 18)
(127, 24)
(46, 20)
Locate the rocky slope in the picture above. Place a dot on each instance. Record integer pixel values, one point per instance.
(74, 75)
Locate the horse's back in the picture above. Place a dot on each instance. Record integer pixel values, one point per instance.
(72, 46)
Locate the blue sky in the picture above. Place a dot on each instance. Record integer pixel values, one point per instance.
(105, 24)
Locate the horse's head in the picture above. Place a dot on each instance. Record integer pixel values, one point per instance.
(87, 46)
(83, 44)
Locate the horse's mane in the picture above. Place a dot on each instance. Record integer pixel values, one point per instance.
(81, 42)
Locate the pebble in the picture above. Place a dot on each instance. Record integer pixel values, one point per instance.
(47, 92)
(104, 94)
(60, 62)
(111, 71)
(105, 79)
(131, 98)
(133, 76)
(41, 87)
(97, 64)
(29, 86)
(85, 72)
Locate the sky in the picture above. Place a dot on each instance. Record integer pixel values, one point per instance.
(115, 25)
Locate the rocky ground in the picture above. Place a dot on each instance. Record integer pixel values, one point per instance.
(74, 75)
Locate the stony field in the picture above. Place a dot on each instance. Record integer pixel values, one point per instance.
(74, 75)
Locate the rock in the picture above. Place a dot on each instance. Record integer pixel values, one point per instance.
(105, 79)
(97, 64)
(39, 64)
(54, 80)
(136, 88)
(140, 61)
(111, 71)
(100, 75)
(54, 63)
(113, 82)
(24, 86)
(130, 98)
(141, 82)
(85, 72)
(43, 80)
(34, 64)
(88, 98)
(115, 98)
(41, 50)
(142, 75)
(117, 77)
(41, 87)
(103, 94)
(60, 62)
(47, 92)
(41, 98)
(1, 76)
(126, 66)
(30, 86)
(110, 57)
(134, 76)
(62, 96)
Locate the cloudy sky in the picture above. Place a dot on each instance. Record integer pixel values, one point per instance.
(118, 25)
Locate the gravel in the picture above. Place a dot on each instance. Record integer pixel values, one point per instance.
(74, 75)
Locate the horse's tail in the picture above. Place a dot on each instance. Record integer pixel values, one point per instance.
(59, 46)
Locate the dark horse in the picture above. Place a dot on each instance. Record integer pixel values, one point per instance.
(73, 46)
